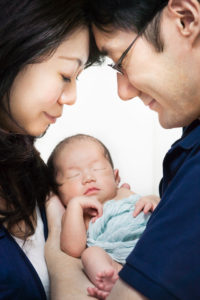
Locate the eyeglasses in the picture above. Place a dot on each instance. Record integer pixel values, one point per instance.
(118, 65)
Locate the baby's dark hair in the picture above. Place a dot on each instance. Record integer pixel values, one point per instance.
(53, 170)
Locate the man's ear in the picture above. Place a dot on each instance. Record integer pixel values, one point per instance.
(187, 13)
(117, 177)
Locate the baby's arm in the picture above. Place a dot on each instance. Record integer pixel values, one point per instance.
(73, 233)
(146, 204)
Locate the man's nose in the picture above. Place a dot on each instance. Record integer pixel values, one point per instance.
(126, 90)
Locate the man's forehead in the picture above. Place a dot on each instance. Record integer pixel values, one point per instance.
(115, 40)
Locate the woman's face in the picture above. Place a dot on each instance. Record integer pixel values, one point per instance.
(40, 90)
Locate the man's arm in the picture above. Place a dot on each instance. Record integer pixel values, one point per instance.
(121, 290)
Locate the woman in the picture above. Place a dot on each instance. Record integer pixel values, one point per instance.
(44, 45)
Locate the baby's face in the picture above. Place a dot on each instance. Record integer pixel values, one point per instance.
(84, 170)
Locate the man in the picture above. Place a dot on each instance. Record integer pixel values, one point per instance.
(155, 47)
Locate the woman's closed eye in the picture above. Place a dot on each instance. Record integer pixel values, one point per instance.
(65, 78)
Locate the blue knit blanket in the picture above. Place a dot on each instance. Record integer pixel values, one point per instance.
(117, 231)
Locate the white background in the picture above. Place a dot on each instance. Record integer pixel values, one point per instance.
(130, 130)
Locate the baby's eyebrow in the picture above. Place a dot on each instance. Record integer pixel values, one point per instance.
(72, 167)
(96, 161)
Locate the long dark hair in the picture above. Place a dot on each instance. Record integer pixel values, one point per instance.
(30, 30)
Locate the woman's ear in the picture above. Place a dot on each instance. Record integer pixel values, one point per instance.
(187, 14)
(117, 177)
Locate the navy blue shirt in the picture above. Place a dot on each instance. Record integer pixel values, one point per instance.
(18, 278)
(165, 264)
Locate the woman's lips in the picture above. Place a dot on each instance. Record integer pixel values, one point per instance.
(52, 119)
(91, 191)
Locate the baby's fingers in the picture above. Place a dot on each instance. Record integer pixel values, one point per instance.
(98, 215)
(95, 210)
(138, 208)
(94, 219)
(147, 208)
(99, 210)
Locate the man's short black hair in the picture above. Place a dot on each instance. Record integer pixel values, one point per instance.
(132, 15)
(126, 14)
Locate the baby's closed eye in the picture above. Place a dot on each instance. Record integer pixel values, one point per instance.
(73, 175)
(98, 169)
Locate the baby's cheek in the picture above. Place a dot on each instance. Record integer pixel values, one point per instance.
(74, 189)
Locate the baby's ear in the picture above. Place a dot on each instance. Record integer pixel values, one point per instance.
(117, 177)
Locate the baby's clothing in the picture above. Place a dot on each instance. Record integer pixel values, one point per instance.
(117, 231)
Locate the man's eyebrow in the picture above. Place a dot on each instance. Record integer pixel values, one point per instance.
(78, 60)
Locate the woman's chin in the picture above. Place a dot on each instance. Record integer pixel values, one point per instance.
(38, 133)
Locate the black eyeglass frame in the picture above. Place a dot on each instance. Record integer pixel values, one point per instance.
(118, 65)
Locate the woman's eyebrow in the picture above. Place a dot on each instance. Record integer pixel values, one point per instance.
(78, 60)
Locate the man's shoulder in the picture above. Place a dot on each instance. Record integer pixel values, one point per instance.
(190, 137)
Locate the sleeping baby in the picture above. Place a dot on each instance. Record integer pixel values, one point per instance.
(102, 223)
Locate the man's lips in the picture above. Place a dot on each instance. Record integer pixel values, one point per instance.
(151, 103)
(91, 191)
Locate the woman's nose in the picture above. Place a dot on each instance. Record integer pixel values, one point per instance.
(126, 90)
(68, 95)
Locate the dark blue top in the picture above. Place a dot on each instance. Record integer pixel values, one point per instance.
(18, 278)
(165, 264)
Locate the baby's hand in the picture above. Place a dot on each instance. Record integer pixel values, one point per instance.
(94, 208)
(90, 206)
(146, 203)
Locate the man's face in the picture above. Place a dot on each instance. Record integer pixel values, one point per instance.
(167, 82)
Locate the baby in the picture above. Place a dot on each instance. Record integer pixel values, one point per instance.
(102, 223)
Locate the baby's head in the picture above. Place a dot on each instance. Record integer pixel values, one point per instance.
(82, 165)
